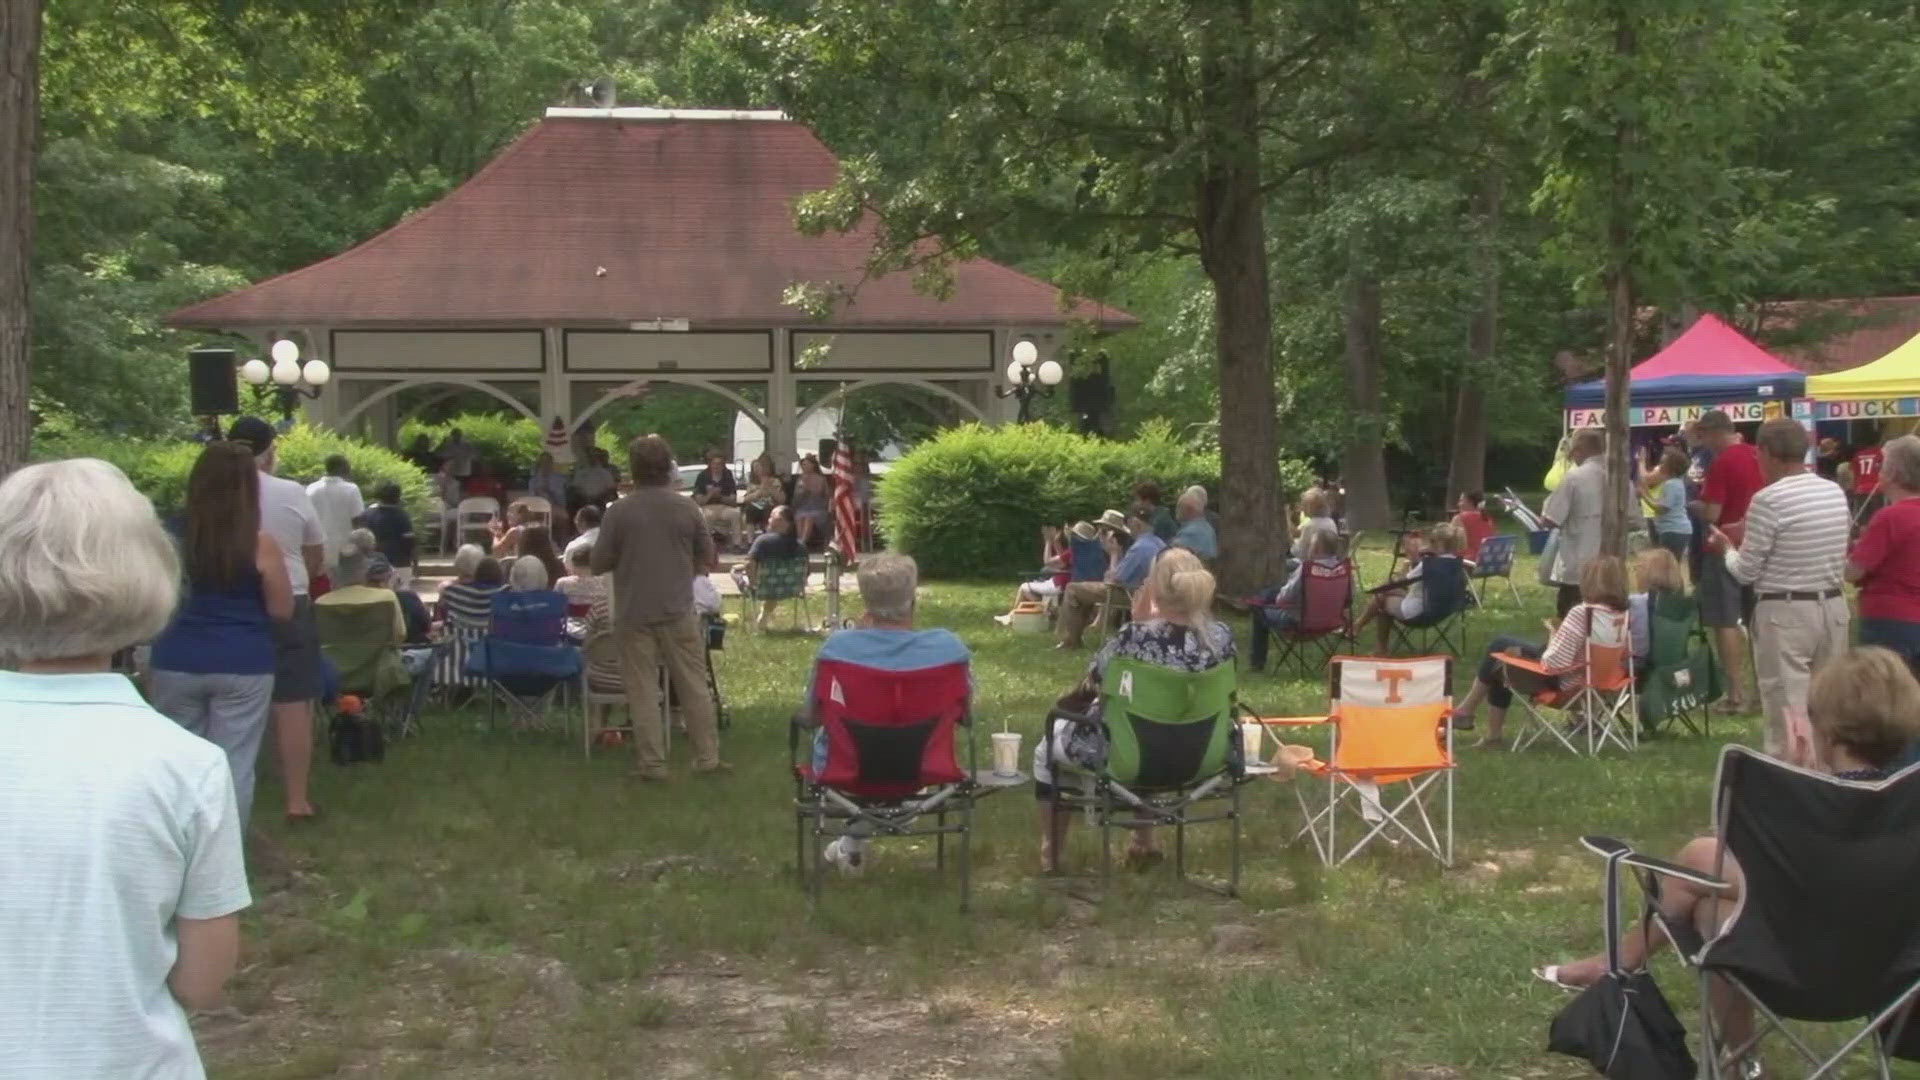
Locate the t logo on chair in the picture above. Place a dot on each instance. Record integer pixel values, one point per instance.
(1393, 677)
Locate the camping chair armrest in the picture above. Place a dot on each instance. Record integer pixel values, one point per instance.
(1291, 721)
(1607, 846)
(1388, 586)
(1535, 666)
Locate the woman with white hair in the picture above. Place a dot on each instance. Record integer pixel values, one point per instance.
(1886, 559)
(527, 575)
(123, 867)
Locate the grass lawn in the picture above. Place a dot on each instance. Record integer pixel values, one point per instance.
(486, 906)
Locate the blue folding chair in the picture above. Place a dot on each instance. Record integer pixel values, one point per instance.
(526, 658)
(1494, 560)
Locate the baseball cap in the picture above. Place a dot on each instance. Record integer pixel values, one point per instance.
(378, 568)
(253, 431)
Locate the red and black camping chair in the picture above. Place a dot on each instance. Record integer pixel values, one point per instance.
(882, 755)
(1312, 625)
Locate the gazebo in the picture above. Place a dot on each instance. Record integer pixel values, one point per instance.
(609, 249)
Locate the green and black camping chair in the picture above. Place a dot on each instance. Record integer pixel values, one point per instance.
(1680, 678)
(1173, 754)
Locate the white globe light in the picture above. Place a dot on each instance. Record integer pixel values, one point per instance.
(1025, 353)
(286, 352)
(1051, 373)
(255, 372)
(1014, 371)
(286, 372)
(316, 373)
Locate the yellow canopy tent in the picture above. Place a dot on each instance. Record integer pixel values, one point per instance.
(1895, 375)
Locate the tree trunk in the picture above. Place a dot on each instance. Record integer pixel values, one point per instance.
(19, 122)
(1233, 251)
(1467, 471)
(1363, 462)
(1617, 515)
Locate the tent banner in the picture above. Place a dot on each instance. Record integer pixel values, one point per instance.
(1866, 410)
(1740, 412)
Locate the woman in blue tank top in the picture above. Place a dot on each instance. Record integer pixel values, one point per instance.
(213, 666)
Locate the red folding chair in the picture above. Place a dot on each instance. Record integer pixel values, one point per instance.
(883, 754)
(1325, 622)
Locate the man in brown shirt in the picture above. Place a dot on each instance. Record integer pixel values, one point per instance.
(652, 541)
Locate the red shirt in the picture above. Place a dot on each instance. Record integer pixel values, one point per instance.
(1731, 482)
(1478, 526)
(1066, 568)
(1866, 471)
(1889, 551)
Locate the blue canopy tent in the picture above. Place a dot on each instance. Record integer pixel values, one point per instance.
(1709, 366)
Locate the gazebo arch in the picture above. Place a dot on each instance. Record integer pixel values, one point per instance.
(391, 389)
(753, 411)
(841, 393)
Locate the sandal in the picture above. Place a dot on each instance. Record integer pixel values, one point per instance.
(1551, 976)
(1490, 742)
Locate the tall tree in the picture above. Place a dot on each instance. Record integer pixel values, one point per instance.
(19, 125)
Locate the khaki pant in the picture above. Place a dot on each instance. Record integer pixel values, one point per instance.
(723, 519)
(1078, 602)
(1791, 638)
(680, 645)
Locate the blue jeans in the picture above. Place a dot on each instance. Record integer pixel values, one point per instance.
(1897, 634)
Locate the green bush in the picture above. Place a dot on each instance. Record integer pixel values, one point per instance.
(970, 501)
(507, 445)
(159, 469)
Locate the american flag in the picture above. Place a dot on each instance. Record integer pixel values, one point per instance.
(846, 535)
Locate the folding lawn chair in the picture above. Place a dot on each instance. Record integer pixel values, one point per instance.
(1827, 926)
(778, 579)
(1680, 678)
(360, 642)
(474, 517)
(1494, 560)
(1389, 722)
(1446, 598)
(1602, 710)
(890, 760)
(1173, 750)
(601, 690)
(1325, 619)
(526, 657)
(1115, 610)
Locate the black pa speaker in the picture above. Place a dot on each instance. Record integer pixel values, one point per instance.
(827, 449)
(213, 383)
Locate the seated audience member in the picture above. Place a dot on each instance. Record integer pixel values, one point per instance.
(1173, 628)
(582, 587)
(507, 528)
(811, 505)
(447, 488)
(1886, 559)
(1863, 710)
(1195, 532)
(716, 493)
(1056, 557)
(1603, 586)
(545, 482)
(1471, 519)
(1410, 602)
(764, 492)
(1657, 571)
(1149, 504)
(381, 575)
(706, 597)
(537, 543)
(467, 606)
(1315, 509)
(776, 544)
(1279, 607)
(586, 527)
(392, 529)
(1131, 548)
(122, 866)
(351, 585)
(528, 575)
(593, 481)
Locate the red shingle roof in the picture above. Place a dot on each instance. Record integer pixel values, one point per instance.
(600, 221)
(1864, 330)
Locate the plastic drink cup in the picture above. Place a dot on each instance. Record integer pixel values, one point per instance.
(1250, 742)
(1006, 753)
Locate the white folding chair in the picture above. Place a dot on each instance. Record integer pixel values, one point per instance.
(538, 508)
(475, 516)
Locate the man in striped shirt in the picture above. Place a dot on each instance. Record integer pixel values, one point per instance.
(1794, 554)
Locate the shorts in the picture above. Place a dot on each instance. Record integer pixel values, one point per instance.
(296, 659)
(1723, 601)
(1042, 588)
(1406, 607)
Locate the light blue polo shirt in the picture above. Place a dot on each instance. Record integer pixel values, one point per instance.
(114, 822)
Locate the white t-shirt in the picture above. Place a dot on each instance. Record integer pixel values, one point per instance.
(706, 596)
(287, 515)
(337, 500)
(114, 822)
(584, 540)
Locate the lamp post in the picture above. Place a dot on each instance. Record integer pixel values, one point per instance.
(1028, 377)
(291, 379)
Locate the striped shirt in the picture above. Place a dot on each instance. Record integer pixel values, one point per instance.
(1796, 537)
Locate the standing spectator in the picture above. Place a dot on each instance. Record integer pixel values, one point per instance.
(1666, 485)
(545, 482)
(213, 668)
(288, 516)
(586, 526)
(336, 498)
(457, 454)
(1886, 561)
(1828, 458)
(392, 529)
(593, 482)
(717, 494)
(811, 514)
(420, 453)
(1794, 555)
(1148, 503)
(1472, 521)
(446, 487)
(1316, 511)
(1196, 532)
(1131, 548)
(1729, 485)
(123, 871)
(653, 541)
(1574, 508)
(1866, 479)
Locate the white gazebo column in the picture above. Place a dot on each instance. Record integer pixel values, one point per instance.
(556, 393)
(783, 401)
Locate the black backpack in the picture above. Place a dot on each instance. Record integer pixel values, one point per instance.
(354, 739)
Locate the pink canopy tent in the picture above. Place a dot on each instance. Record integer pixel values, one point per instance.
(1711, 364)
